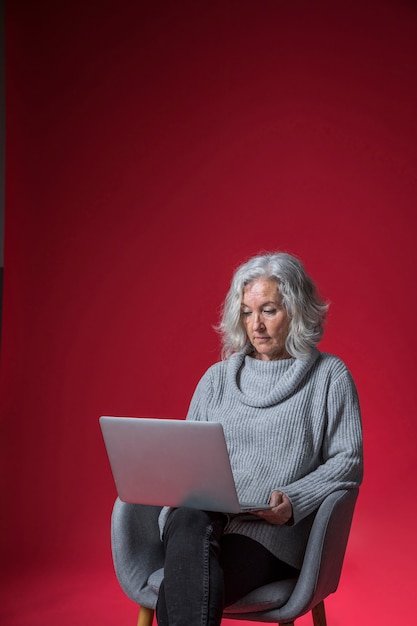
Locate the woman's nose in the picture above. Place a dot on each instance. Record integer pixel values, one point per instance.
(257, 322)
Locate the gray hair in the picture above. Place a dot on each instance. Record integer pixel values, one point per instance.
(305, 308)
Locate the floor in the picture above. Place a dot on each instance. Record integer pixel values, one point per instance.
(78, 598)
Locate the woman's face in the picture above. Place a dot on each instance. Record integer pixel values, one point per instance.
(265, 319)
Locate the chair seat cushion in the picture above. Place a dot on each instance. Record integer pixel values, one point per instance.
(270, 596)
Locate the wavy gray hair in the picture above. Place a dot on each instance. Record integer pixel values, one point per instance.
(305, 308)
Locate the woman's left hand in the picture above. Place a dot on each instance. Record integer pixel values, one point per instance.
(280, 512)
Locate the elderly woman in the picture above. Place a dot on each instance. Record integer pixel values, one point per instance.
(292, 424)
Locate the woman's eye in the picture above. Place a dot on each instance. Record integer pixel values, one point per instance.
(270, 311)
(246, 313)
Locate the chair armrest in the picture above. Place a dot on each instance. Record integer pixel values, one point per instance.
(137, 549)
(325, 552)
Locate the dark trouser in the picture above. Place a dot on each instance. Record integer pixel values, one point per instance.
(206, 570)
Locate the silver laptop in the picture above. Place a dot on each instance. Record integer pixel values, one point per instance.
(172, 462)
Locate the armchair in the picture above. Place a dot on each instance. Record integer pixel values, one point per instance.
(138, 558)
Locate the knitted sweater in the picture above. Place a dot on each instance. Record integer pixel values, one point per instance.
(292, 425)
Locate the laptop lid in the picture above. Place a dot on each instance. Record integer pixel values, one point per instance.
(170, 462)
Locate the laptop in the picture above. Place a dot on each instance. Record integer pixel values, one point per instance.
(172, 462)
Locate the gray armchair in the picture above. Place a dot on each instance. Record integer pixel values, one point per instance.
(139, 559)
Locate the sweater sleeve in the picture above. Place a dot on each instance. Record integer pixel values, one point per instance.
(198, 409)
(342, 454)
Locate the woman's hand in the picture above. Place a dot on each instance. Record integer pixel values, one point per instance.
(280, 512)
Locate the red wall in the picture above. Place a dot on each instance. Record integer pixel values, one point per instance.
(151, 147)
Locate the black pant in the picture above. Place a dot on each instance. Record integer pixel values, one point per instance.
(206, 570)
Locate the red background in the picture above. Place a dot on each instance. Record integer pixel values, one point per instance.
(152, 147)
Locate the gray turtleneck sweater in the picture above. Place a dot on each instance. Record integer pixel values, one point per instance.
(292, 425)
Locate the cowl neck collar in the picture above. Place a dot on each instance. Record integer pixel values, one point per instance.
(270, 382)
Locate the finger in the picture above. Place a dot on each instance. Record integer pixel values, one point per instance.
(276, 499)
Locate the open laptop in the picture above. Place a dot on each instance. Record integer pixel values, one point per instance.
(173, 463)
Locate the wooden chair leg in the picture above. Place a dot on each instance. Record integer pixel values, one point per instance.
(145, 617)
(319, 615)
